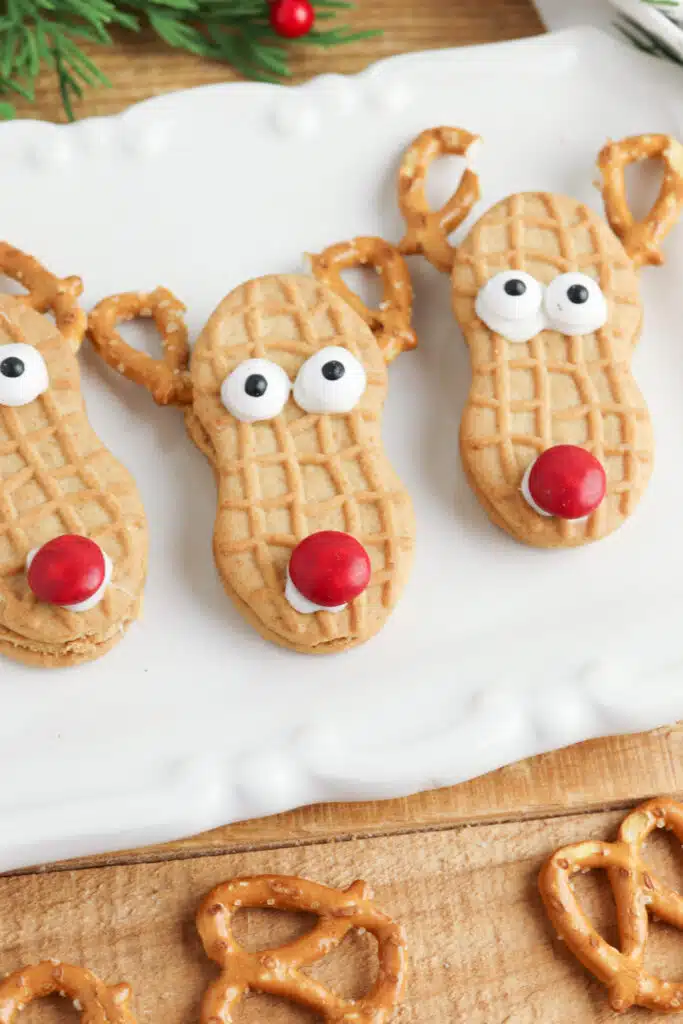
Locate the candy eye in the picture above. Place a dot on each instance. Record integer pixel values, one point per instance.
(23, 375)
(575, 304)
(510, 305)
(332, 381)
(257, 389)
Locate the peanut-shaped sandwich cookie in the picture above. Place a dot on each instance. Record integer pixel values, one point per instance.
(555, 437)
(314, 531)
(73, 540)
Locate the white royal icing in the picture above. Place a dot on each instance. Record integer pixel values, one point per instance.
(517, 318)
(251, 408)
(520, 318)
(314, 393)
(34, 381)
(90, 602)
(569, 317)
(527, 493)
(301, 604)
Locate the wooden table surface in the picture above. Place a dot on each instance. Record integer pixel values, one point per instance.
(457, 866)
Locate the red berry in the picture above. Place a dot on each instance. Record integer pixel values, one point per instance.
(292, 18)
(330, 568)
(566, 481)
(67, 570)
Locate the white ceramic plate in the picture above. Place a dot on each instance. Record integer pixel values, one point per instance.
(496, 650)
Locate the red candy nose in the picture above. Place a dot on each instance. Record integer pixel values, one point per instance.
(565, 481)
(330, 568)
(67, 570)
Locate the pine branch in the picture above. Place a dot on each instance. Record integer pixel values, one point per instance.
(40, 34)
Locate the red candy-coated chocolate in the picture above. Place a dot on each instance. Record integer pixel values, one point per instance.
(330, 568)
(67, 570)
(567, 481)
(292, 18)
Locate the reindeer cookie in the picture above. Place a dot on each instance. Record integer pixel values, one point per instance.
(555, 437)
(73, 540)
(314, 531)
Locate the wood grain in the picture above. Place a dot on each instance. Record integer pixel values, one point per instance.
(481, 949)
(457, 866)
(140, 67)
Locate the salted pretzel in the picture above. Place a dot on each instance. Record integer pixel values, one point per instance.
(391, 322)
(46, 293)
(98, 1003)
(427, 230)
(277, 971)
(637, 894)
(166, 379)
(641, 238)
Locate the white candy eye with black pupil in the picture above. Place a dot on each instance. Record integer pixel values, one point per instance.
(510, 304)
(331, 381)
(257, 389)
(574, 304)
(23, 375)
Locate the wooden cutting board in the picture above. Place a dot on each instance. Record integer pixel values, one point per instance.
(457, 867)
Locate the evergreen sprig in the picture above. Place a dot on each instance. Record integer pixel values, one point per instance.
(38, 34)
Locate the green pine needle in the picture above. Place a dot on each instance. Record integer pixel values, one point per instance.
(39, 34)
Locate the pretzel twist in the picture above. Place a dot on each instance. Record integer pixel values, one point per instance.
(391, 322)
(277, 971)
(427, 230)
(167, 379)
(46, 293)
(97, 1002)
(637, 891)
(641, 238)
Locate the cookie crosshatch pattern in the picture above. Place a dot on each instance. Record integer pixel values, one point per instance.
(555, 436)
(554, 389)
(284, 479)
(292, 465)
(57, 478)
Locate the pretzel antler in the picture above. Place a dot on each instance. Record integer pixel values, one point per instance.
(166, 379)
(637, 890)
(641, 238)
(391, 322)
(428, 230)
(46, 292)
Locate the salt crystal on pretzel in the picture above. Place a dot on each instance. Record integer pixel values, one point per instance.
(642, 238)
(166, 379)
(638, 893)
(46, 293)
(390, 323)
(98, 1003)
(277, 971)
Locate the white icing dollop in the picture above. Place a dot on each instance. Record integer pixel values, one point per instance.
(574, 304)
(526, 493)
(23, 375)
(516, 306)
(257, 389)
(511, 304)
(301, 604)
(331, 381)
